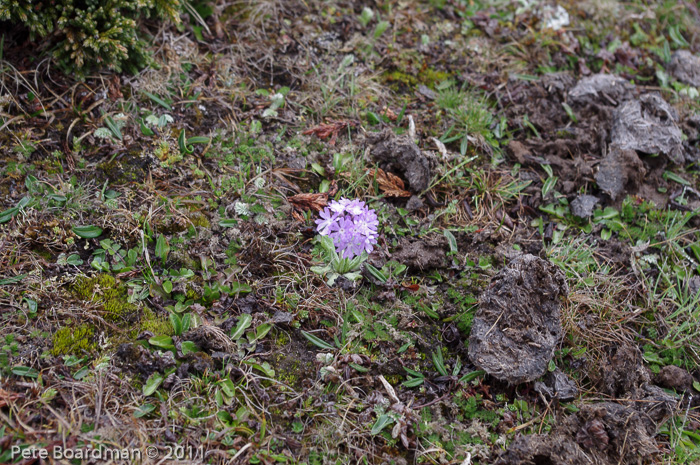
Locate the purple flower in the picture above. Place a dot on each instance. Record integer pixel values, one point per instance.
(326, 221)
(356, 207)
(338, 207)
(352, 226)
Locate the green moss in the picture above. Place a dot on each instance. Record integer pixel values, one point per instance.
(43, 253)
(430, 77)
(193, 295)
(108, 291)
(200, 220)
(50, 166)
(75, 340)
(400, 77)
(427, 76)
(290, 374)
(156, 324)
(282, 339)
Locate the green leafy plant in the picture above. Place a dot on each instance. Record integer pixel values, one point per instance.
(90, 33)
(391, 269)
(335, 266)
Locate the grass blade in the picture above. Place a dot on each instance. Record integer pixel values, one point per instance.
(317, 342)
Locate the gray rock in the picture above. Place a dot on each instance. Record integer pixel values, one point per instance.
(685, 67)
(606, 89)
(583, 205)
(648, 125)
(620, 171)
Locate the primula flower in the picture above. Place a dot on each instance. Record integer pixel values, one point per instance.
(328, 218)
(352, 226)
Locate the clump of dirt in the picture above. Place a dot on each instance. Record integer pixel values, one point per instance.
(421, 254)
(608, 118)
(136, 357)
(401, 155)
(210, 338)
(655, 404)
(604, 433)
(624, 371)
(673, 377)
(196, 363)
(613, 433)
(685, 67)
(557, 386)
(620, 172)
(517, 325)
(604, 89)
(543, 449)
(648, 125)
(129, 167)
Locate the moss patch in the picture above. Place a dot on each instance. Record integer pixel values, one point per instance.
(108, 291)
(156, 324)
(74, 340)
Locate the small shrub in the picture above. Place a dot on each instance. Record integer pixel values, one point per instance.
(90, 33)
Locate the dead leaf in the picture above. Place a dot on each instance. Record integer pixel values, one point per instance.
(326, 130)
(114, 90)
(7, 397)
(317, 202)
(305, 202)
(389, 113)
(390, 184)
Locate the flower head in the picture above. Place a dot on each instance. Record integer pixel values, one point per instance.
(352, 226)
(328, 218)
